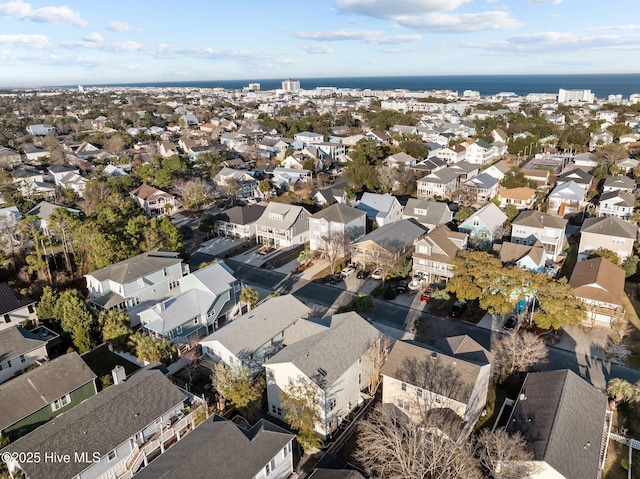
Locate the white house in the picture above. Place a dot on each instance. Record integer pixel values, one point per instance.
(439, 183)
(532, 226)
(282, 225)
(153, 201)
(619, 183)
(481, 188)
(383, 209)
(309, 138)
(479, 152)
(333, 359)
(239, 221)
(338, 220)
(15, 308)
(616, 203)
(19, 349)
(136, 283)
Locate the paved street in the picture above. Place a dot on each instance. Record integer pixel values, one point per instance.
(589, 366)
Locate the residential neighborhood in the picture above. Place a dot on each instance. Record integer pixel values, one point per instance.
(322, 283)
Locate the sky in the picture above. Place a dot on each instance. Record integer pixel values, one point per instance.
(68, 42)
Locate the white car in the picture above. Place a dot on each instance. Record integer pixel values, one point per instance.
(377, 274)
(349, 270)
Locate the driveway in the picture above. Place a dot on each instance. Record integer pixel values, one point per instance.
(218, 246)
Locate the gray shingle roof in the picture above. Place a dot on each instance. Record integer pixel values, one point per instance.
(395, 236)
(374, 204)
(138, 266)
(561, 417)
(289, 214)
(39, 387)
(332, 351)
(100, 423)
(242, 215)
(11, 300)
(619, 182)
(437, 213)
(16, 341)
(610, 226)
(219, 448)
(44, 209)
(539, 220)
(339, 213)
(255, 328)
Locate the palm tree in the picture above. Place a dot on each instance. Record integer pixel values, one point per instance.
(249, 296)
(621, 390)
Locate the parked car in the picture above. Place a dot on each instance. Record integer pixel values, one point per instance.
(349, 270)
(362, 274)
(335, 278)
(401, 287)
(377, 274)
(425, 296)
(510, 323)
(458, 308)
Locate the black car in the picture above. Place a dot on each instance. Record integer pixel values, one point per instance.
(401, 287)
(362, 274)
(510, 323)
(335, 278)
(457, 309)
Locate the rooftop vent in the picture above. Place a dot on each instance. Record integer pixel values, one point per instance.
(322, 372)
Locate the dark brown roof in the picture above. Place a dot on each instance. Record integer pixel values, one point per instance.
(11, 300)
(598, 279)
(242, 215)
(149, 193)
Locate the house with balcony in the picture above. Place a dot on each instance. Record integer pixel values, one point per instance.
(308, 138)
(433, 254)
(523, 198)
(578, 176)
(247, 184)
(15, 308)
(441, 183)
(39, 395)
(137, 283)
(599, 285)
(207, 298)
(567, 198)
(480, 188)
(239, 221)
(607, 232)
(252, 338)
(383, 209)
(153, 201)
(619, 183)
(290, 178)
(282, 225)
(110, 434)
(387, 245)
(451, 377)
(479, 152)
(530, 257)
(616, 203)
(400, 159)
(262, 452)
(452, 154)
(484, 226)
(530, 227)
(429, 213)
(333, 359)
(465, 170)
(335, 227)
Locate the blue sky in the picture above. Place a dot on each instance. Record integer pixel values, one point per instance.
(58, 42)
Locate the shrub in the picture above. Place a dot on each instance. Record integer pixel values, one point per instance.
(389, 293)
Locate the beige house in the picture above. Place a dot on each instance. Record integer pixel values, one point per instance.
(608, 232)
(434, 253)
(523, 198)
(599, 284)
(448, 381)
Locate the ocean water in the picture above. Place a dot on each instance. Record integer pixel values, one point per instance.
(601, 85)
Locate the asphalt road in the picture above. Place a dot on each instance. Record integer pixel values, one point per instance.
(594, 370)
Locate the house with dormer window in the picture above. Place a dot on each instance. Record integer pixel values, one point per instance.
(153, 201)
(282, 225)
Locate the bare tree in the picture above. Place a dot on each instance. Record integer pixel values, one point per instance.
(395, 449)
(518, 353)
(377, 355)
(504, 455)
(334, 246)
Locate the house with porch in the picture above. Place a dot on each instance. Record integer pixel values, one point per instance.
(578, 176)
(484, 226)
(616, 203)
(153, 201)
(282, 225)
(247, 184)
(567, 198)
(530, 227)
(607, 232)
(599, 284)
(619, 183)
(480, 188)
(400, 159)
(336, 225)
(433, 254)
(530, 257)
(20, 349)
(449, 381)
(478, 152)
(137, 283)
(523, 198)
(115, 429)
(239, 221)
(383, 209)
(333, 358)
(428, 212)
(39, 395)
(208, 297)
(441, 183)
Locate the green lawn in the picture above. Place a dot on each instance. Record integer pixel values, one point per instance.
(104, 363)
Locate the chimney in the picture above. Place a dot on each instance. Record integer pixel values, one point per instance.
(119, 375)
(160, 306)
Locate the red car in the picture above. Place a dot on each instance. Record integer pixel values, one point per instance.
(426, 295)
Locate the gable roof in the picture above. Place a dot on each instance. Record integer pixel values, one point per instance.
(375, 204)
(442, 237)
(492, 217)
(483, 181)
(44, 209)
(339, 213)
(598, 279)
(577, 175)
(242, 215)
(513, 252)
(536, 219)
(442, 176)
(100, 423)
(437, 212)
(253, 329)
(569, 191)
(149, 193)
(619, 197)
(16, 341)
(609, 226)
(38, 388)
(138, 266)
(561, 417)
(325, 356)
(619, 182)
(222, 449)
(11, 300)
(289, 213)
(395, 236)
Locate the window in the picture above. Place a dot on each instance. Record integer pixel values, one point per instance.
(273, 408)
(419, 392)
(332, 404)
(60, 402)
(438, 400)
(7, 318)
(359, 378)
(195, 320)
(173, 283)
(267, 469)
(273, 464)
(403, 404)
(23, 359)
(112, 455)
(134, 301)
(279, 411)
(211, 313)
(30, 309)
(404, 386)
(284, 451)
(165, 271)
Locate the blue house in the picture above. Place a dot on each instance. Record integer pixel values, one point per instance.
(529, 257)
(484, 226)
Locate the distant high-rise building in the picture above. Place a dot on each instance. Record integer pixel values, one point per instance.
(574, 96)
(80, 88)
(254, 87)
(291, 85)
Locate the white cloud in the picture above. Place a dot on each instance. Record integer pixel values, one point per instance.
(118, 26)
(94, 37)
(374, 37)
(35, 41)
(387, 9)
(555, 2)
(105, 46)
(317, 49)
(21, 10)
